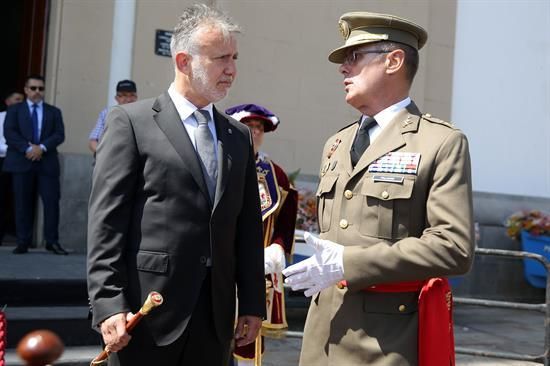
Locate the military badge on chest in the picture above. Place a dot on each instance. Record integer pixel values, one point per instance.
(330, 165)
(396, 162)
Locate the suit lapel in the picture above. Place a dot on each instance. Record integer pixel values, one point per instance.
(347, 137)
(169, 122)
(26, 121)
(46, 120)
(224, 133)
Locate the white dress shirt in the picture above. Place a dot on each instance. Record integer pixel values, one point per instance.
(3, 146)
(384, 117)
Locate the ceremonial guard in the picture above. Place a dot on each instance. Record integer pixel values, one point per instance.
(279, 204)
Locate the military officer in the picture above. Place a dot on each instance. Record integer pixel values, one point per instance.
(394, 211)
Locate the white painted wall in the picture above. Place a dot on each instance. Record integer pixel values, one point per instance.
(501, 93)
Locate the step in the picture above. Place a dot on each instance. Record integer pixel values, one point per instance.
(70, 323)
(40, 278)
(43, 292)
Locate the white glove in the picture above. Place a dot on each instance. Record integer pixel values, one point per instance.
(323, 269)
(274, 258)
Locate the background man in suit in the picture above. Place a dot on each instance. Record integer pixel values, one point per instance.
(395, 213)
(5, 185)
(33, 130)
(175, 208)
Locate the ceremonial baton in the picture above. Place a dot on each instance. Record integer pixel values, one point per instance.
(153, 300)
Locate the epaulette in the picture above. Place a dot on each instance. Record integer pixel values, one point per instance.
(343, 128)
(428, 117)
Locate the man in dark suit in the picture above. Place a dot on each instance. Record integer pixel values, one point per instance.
(33, 130)
(174, 208)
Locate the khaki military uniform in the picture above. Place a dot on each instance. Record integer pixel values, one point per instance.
(395, 227)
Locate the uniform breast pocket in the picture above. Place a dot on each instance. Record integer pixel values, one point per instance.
(386, 209)
(325, 201)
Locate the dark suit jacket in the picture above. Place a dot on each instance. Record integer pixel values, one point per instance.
(151, 225)
(18, 134)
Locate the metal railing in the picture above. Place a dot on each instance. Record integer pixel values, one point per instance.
(543, 308)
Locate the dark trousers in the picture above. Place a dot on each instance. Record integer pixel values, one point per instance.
(198, 345)
(48, 189)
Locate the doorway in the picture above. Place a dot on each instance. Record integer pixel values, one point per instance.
(23, 35)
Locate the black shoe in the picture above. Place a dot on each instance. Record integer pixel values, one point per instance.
(20, 249)
(56, 248)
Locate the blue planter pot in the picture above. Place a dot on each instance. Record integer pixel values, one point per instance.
(535, 273)
(455, 281)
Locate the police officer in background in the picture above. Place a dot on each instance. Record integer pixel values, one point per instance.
(394, 210)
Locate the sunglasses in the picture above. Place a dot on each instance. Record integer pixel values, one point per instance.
(35, 88)
(353, 56)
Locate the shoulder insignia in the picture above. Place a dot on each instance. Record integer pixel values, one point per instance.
(411, 122)
(428, 117)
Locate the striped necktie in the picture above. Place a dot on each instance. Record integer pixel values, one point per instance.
(206, 150)
(35, 129)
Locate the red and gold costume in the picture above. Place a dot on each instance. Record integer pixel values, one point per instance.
(279, 203)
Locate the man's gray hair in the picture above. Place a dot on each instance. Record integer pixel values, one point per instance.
(193, 20)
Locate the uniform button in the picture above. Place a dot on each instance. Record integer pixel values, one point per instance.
(203, 259)
(344, 223)
(385, 194)
(348, 194)
(402, 308)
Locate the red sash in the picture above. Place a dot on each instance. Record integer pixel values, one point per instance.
(435, 318)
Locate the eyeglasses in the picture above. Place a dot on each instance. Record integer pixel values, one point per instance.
(35, 88)
(351, 58)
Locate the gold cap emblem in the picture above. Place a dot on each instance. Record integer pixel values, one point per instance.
(344, 28)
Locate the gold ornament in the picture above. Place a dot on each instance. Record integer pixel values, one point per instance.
(344, 28)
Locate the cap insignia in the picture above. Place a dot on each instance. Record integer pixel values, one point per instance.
(344, 28)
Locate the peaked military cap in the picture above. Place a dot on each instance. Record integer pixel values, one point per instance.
(362, 27)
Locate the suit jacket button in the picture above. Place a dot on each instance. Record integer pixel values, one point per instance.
(203, 259)
(385, 195)
(348, 194)
(344, 223)
(402, 308)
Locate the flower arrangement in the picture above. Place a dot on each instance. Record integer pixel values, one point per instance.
(535, 222)
(307, 211)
